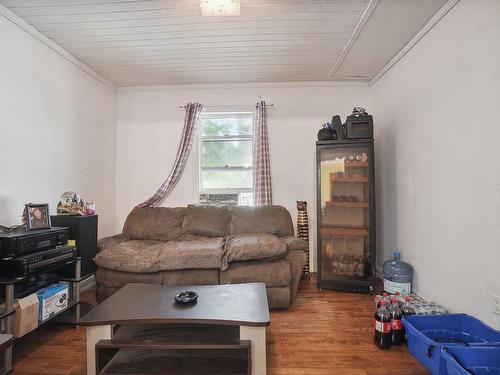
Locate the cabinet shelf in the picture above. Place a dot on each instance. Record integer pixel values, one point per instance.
(347, 204)
(346, 179)
(355, 164)
(337, 230)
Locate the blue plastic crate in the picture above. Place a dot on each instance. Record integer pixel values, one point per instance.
(477, 360)
(427, 334)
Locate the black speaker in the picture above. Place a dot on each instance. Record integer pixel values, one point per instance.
(82, 229)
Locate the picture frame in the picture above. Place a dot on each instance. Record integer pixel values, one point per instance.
(37, 216)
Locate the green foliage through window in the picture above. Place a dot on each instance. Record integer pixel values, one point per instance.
(226, 151)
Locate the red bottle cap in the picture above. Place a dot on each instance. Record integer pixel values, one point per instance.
(397, 293)
(407, 298)
(382, 303)
(394, 300)
(385, 294)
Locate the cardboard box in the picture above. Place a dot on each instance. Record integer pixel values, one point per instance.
(26, 315)
(52, 300)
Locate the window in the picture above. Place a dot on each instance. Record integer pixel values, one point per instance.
(226, 158)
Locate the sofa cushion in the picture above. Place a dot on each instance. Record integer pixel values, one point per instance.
(151, 256)
(210, 221)
(191, 277)
(110, 241)
(273, 273)
(118, 279)
(252, 246)
(129, 256)
(154, 223)
(264, 219)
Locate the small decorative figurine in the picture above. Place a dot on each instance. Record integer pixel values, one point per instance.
(359, 111)
(71, 204)
(303, 232)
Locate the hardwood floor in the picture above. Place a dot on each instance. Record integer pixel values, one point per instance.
(325, 332)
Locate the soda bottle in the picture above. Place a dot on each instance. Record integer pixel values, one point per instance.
(383, 332)
(397, 295)
(407, 308)
(398, 331)
(385, 297)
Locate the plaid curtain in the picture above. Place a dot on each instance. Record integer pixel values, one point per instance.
(193, 111)
(262, 167)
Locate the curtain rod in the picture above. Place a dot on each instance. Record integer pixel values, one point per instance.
(267, 105)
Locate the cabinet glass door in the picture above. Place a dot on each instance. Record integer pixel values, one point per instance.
(346, 203)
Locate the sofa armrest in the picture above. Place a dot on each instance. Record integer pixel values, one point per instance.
(294, 243)
(297, 260)
(107, 242)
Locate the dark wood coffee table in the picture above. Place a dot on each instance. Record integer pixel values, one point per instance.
(142, 330)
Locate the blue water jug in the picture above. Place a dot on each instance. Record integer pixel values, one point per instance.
(398, 275)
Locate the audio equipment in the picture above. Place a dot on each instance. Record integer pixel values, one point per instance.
(36, 262)
(359, 126)
(15, 244)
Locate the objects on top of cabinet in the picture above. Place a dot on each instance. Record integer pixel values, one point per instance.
(357, 126)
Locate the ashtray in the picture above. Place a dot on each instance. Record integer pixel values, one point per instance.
(186, 297)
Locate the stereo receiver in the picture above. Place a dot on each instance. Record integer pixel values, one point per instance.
(15, 244)
(39, 261)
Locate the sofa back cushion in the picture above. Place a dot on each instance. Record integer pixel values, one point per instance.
(252, 246)
(212, 221)
(154, 223)
(264, 219)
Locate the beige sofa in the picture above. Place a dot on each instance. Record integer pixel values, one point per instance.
(200, 245)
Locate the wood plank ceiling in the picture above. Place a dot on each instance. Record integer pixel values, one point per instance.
(155, 42)
(150, 42)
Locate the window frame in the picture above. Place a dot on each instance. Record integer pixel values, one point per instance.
(221, 113)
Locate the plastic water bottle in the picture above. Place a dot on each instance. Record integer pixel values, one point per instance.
(398, 275)
(407, 308)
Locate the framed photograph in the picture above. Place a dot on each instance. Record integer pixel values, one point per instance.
(37, 216)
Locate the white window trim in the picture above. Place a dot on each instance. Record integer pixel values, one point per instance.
(216, 111)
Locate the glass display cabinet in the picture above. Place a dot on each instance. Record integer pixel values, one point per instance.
(346, 215)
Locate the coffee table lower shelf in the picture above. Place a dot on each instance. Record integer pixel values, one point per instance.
(174, 349)
(177, 362)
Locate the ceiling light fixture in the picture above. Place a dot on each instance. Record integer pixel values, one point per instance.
(220, 7)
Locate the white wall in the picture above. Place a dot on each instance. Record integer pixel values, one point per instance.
(438, 159)
(56, 130)
(149, 125)
(436, 146)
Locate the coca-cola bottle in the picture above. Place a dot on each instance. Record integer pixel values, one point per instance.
(407, 308)
(397, 295)
(385, 297)
(383, 331)
(398, 331)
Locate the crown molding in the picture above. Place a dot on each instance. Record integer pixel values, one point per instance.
(19, 22)
(354, 36)
(447, 7)
(229, 86)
